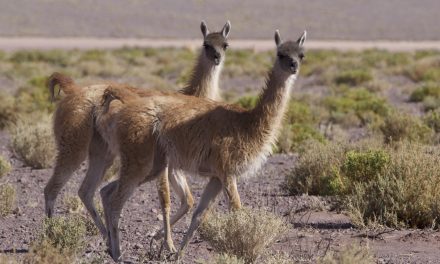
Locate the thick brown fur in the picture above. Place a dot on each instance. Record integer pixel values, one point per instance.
(77, 137)
(219, 141)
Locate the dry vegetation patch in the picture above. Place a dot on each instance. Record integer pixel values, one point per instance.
(64, 233)
(5, 166)
(7, 199)
(349, 255)
(245, 233)
(33, 141)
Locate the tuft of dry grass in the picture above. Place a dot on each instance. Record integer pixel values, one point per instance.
(45, 252)
(7, 199)
(5, 166)
(73, 204)
(64, 233)
(224, 258)
(349, 255)
(401, 126)
(245, 233)
(33, 142)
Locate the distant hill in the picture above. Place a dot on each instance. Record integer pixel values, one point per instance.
(324, 19)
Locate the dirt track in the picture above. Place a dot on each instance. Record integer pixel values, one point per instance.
(26, 43)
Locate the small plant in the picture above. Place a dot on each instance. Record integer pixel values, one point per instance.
(34, 142)
(432, 119)
(5, 166)
(8, 112)
(353, 77)
(349, 255)
(429, 94)
(44, 252)
(355, 107)
(224, 258)
(64, 233)
(365, 165)
(318, 170)
(425, 70)
(401, 126)
(248, 102)
(73, 204)
(7, 199)
(244, 233)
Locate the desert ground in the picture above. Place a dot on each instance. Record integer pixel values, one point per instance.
(380, 106)
(353, 178)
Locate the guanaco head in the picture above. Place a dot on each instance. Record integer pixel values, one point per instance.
(215, 43)
(290, 53)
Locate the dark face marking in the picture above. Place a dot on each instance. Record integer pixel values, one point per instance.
(290, 56)
(215, 45)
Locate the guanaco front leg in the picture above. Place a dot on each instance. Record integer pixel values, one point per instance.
(231, 190)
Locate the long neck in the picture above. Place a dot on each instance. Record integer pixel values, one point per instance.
(204, 80)
(269, 111)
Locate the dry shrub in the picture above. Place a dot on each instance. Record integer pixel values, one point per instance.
(245, 233)
(8, 113)
(317, 171)
(7, 199)
(432, 119)
(406, 192)
(279, 258)
(224, 258)
(5, 166)
(402, 126)
(73, 204)
(349, 255)
(5, 259)
(45, 253)
(34, 142)
(65, 233)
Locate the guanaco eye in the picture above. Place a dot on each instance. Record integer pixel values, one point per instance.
(301, 56)
(280, 56)
(225, 46)
(205, 45)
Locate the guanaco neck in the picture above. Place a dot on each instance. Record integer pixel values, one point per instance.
(268, 113)
(204, 81)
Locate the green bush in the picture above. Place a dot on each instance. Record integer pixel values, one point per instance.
(401, 126)
(245, 233)
(318, 170)
(356, 107)
(8, 111)
(425, 70)
(33, 142)
(7, 199)
(334, 168)
(248, 102)
(432, 119)
(5, 166)
(405, 193)
(364, 165)
(353, 77)
(429, 94)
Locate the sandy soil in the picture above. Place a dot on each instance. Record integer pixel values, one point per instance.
(315, 227)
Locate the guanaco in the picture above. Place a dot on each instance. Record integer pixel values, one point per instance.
(221, 142)
(76, 135)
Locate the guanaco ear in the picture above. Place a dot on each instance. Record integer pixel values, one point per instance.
(277, 37)
(226, 29)
(204, 28)
(301, 39)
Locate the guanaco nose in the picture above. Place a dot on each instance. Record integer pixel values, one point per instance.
(217, 58)
(293, 66)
